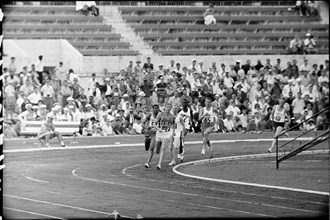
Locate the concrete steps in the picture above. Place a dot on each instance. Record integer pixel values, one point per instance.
(112, 17)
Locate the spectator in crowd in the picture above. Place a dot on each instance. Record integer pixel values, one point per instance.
(229, 122)
(39, 65)
(12, 66)
(148, 65)
(87, 7)
(48, 95)
(209, 18)
(10, 99)
(35, 97)
(309, 44)
(296, 46)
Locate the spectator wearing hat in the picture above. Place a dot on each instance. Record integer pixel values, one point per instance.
(25, 116)
(47, 132)
(199, 67)
(148, 65)
(90, 111)
(138, 70)
(298, 88)
(309, 44)
(65, 92)
(287, 89)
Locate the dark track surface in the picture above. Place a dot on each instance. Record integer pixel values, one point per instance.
(92, 183)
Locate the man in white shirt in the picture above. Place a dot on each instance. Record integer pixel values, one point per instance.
(137, 125)
(193, 66)
(47, 92)
(287, 89)
(298, 88)
(298, 105)
(309, 44)
(200, 68)
(232, 108)
(40, 68)
(60, 72)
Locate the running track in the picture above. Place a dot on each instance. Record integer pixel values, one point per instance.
(92, 182)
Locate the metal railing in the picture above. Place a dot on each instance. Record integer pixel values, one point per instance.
(325, 123)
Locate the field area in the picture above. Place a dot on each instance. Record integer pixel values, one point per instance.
(97, 176)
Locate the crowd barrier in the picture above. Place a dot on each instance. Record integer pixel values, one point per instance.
(31, 128)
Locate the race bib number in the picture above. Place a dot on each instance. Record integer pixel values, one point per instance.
(165, 128)
(277, 118)
(207, 119)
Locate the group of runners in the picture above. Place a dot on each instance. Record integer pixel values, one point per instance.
(168, 129)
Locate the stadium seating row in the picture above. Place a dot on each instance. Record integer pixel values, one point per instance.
(88, 34)
(234, 28)
(266, 29)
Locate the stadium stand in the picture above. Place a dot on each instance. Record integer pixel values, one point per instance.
(172, 30)
(86, 33)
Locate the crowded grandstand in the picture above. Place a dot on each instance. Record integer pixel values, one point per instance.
(103, 66)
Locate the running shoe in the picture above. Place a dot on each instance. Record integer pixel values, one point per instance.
(146, 165)
(179, 156)
(172, 163)
(158, 167)
(63, 145)
(203, 151)
(269, 150)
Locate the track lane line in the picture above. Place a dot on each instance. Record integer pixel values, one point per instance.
(141, 144)
(219, 159)
(187, 194)
(33, 213)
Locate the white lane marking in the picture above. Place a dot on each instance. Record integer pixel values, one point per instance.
(36, 180)
(245, 183)
(176, 192)
(216, 189)
(32, 213)
(183, 193)
(139, 145)
(57, 204)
